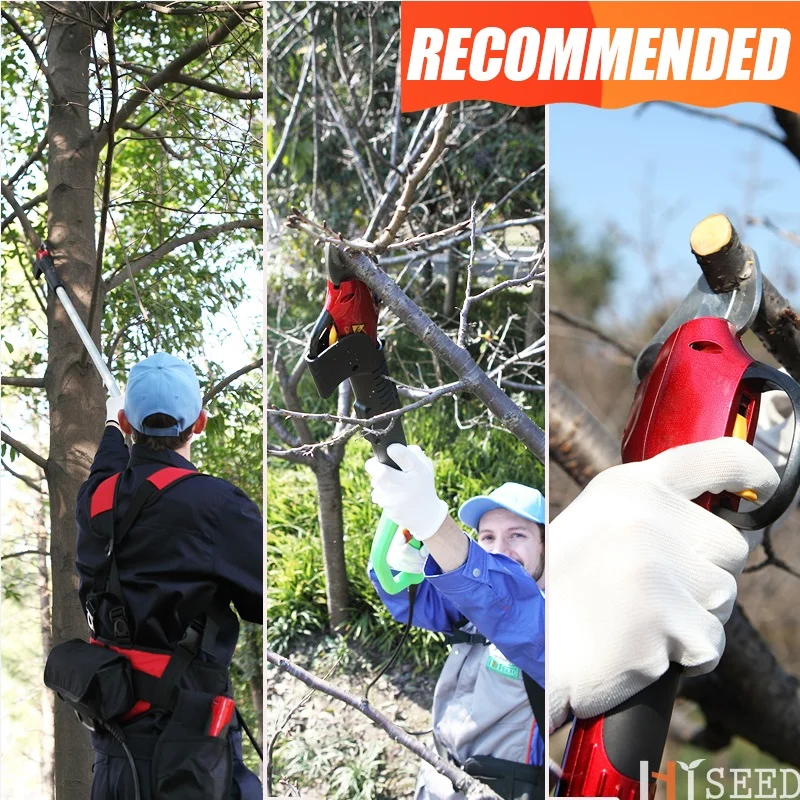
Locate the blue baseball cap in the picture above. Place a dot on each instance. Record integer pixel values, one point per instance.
(522, 500)
(163, 384)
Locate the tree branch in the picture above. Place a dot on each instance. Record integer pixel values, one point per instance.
(585, 325)
(473, 789)
(26, 479)
(19, 212)
(290, 120)
(413, 180)
(31, 159)
(25, 383)
(26, 451)
(35, 53)
(138, 264)
(21, 553)
(217, 388)
(215, 88)
(475, 379)
(171, 71)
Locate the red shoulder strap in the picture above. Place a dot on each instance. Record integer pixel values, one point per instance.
(103, 497)
(164, 477)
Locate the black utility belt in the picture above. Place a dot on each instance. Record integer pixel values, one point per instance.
(191, 759)
(511, 780)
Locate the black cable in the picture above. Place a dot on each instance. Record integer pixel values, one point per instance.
(412, 596)
(249, 734)
(116, 732)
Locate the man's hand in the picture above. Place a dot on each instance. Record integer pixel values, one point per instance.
(640, 576)
(113, 406)
(408, 495)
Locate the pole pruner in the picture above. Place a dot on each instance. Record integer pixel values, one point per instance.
(695, 381)
(344, 345)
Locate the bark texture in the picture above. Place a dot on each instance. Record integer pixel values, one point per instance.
(74, 389)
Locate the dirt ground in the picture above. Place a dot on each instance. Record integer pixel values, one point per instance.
(329, 750)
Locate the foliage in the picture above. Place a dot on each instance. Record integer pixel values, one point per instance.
(581, 273)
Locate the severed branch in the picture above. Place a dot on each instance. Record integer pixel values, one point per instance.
(147, 260)
(472, 788)
(217, 388)
(27, 227)
(25, 383)
(26, 451)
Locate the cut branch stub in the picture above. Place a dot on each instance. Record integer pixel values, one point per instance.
(720, 253)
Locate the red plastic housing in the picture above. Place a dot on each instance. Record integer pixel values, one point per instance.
(694, 392)
(353, 308)
(588, 771)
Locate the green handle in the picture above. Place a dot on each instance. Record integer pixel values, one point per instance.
(391, 583)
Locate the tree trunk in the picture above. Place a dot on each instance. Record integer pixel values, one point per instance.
(74, 389)
(331, 528)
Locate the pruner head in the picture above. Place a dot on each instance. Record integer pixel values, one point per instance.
(337, 268)
(730, 288)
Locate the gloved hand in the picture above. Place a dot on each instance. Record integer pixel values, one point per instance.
(403, 557)
(113, 406)
(408, 495)
(639, 575)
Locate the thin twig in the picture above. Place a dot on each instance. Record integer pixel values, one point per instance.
(217, 388)
(26, 479)
(290, 120)
(464, 316)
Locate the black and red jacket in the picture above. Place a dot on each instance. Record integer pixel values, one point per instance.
(196, 546)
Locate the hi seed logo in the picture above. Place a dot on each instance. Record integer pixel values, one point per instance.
(748, 784)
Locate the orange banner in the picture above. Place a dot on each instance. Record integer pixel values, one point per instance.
(604, 54)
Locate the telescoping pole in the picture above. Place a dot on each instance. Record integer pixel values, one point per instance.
(44, 265)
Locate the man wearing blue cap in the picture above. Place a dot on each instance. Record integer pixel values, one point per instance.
(486, 595)
(157, 584)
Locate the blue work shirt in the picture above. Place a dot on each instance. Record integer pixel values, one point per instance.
(497, 596)
(198, 542)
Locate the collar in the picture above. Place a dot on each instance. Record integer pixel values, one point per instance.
(142, 454)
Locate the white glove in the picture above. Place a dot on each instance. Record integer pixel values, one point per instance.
(408, 495)
(113, 406)
(639, 575)
(405, 558)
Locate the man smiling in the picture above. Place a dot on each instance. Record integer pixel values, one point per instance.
(486, 596)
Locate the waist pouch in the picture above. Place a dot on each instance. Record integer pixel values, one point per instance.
(187, 763)
(95, 681)
(510, 779)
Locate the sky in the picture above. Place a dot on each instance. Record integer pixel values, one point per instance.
(650, 173)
